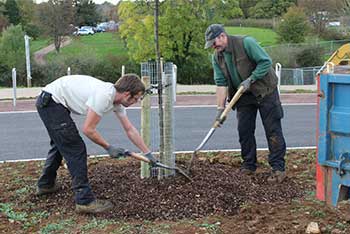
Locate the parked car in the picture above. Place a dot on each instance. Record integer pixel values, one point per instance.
(100, 29)
(84, 32)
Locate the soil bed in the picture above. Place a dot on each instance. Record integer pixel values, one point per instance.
(218, 200)
(216, 189)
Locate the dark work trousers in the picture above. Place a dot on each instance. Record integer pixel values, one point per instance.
(65, 142)
(271, 113)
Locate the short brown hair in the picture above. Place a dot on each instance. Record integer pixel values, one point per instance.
(130, 83)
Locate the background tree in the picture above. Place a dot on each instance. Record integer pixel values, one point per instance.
(12, 12)
(294, 26)
(56, 17)
(321, 11)
(12, 54)
(107, 11)
(245, 5)
(86, 13)
(270, 8)
(229, 9)
(3, 19)
(182, 25)
(27, 10)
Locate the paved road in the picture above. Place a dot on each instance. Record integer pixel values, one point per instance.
(181, 100)
(23, 136)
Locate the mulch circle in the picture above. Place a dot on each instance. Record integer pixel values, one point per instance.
(216, 189)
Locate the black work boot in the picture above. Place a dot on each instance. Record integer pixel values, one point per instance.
(276, 177)
(97, 206)
(43, 191)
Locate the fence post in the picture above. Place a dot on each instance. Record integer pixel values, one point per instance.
(29, 77)
(168, 157)
(278, 70)
(174, 81)
(14, 85)
(145, 124)
(123, 70)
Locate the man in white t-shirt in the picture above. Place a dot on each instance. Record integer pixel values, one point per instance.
(84, 95)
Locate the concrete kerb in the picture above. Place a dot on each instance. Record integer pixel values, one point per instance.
(21, 93)
(28, 93)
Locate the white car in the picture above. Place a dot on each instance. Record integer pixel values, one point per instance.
(83, 31)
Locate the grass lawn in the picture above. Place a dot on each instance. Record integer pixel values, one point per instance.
(100, 44)
(38, 44)
(266, 37)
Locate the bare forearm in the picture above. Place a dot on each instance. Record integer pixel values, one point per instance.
(221, 94)
(96, 138)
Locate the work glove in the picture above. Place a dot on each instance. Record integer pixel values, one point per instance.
(246, 84)
(153, 161)
(219, 112)
(116, 152)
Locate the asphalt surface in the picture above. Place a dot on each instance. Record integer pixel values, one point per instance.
(23, 135)
(181, 100)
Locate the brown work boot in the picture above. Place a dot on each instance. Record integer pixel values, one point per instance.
(246, 171)
(43, 191)
(276, 177)
(97, 206)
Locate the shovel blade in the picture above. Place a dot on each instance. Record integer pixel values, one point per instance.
(206, 138)
(175, 169)
(199, 147)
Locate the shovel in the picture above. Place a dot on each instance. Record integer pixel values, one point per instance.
(158, 164)
(216, 124)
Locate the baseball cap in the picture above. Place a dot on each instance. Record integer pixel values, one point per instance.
(211, 33)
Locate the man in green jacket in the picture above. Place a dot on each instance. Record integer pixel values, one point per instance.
(240, 61)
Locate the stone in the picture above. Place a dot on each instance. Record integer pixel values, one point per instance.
(313, 228)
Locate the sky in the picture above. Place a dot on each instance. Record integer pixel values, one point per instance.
(96, 1)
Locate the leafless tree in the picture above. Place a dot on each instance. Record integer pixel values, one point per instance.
(56, 17)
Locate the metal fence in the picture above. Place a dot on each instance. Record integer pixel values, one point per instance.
(299, 76)
(328, 46)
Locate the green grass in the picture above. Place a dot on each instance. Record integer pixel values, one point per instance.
(102, 44)
(38, 44)
(266, 37)
(99, 44)
(60, 227)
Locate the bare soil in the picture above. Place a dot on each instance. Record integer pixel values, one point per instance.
(218, 200)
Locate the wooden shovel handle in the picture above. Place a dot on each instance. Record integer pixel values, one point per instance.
(233, 101)
(228, 108)
(139, 157)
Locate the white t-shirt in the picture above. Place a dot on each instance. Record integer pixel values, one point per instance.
(80, 92)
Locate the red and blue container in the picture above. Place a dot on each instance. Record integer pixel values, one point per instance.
(333, 137)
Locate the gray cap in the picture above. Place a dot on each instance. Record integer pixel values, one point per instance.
(211, 33)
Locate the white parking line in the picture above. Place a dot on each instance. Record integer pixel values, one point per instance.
(156, 107)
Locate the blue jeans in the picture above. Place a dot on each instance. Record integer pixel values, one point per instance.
(271, 113)
(65, 143)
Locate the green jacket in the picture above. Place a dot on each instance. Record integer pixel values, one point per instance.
(244, 58)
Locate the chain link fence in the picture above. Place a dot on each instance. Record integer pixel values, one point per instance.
(328, 46)
(299, 76)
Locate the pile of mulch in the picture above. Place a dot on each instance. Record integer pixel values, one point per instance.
(216, 189)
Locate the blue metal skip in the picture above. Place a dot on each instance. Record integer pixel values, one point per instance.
(334, 135)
